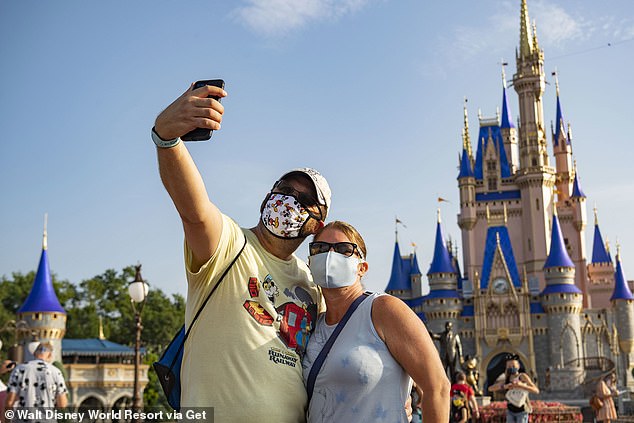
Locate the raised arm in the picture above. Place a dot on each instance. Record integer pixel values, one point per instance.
(202, 222)
(395, 321)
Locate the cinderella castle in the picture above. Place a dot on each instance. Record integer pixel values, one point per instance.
(526, 286)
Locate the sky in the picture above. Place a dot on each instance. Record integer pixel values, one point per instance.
(369, 92)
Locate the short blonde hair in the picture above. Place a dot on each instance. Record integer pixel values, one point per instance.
(350, 232)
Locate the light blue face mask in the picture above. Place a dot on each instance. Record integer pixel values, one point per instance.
(334, 270)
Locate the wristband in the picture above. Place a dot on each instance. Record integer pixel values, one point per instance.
(161, 143)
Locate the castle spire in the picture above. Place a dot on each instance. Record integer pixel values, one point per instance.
(42, 297)
(560, 126)
(558, 255)
(441, 263)
(466, 140)
(526, 39)
(621, 288)
(576, 186)
(507, 120)
(398, 280)
(599, 251)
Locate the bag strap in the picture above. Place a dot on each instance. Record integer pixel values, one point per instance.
(202, 306)
(319, 361)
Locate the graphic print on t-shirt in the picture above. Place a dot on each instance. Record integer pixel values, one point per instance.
(295, 315)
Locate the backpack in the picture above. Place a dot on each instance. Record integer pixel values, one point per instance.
(458, 403)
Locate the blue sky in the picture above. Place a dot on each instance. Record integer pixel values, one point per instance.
(368, 92)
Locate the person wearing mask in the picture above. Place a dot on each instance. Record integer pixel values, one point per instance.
(366, 374)
(517, 385)
(37, 384)
(248, 339)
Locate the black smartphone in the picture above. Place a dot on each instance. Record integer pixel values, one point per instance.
(203, 134)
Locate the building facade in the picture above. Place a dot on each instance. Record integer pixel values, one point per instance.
(526, 286)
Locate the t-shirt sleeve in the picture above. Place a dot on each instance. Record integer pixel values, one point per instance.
(230, 242)
(60, 383)
(15, 380)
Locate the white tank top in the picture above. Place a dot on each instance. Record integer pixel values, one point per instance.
(360, 380)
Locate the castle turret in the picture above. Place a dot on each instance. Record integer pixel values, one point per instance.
(535, 176)
(399, 284)
(600, 270)
(507, 128)
(562, 301)
(443, 303)
(562, 149)
(44, 315)
(623, 306)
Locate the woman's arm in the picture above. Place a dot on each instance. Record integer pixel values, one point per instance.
(411, 346)
(527, 384)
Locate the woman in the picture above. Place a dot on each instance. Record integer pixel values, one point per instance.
(365, 375)
(606, 390)
(517, 386)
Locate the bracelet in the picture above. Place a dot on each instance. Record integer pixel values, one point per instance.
(161, 143)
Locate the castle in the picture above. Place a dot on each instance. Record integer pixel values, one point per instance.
(527, 287)
(99, 373)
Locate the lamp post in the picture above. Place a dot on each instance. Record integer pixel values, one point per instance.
(138, 290)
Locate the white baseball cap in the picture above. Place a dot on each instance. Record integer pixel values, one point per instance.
(321, 185)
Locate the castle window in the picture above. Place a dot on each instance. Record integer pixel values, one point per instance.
(529, 244)
(537, 203)
(492, 183)
(534, 162)
(37, 316)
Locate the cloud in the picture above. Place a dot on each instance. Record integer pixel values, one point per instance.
(279, 17)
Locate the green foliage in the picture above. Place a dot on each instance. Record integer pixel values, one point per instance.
(105, 296)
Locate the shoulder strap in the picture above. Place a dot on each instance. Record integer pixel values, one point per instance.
(202, 306)
(319, 361)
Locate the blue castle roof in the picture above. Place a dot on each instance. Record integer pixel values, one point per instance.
(42, 298)
(577, 192)
(560, 125)
(399, 281)
(561, 288)
(491, 134)
(95, 347)
(599, 252)
(621, 288)
(441, 263)
(558, 256)
(490, 247)
(465, 166)
(507, 121)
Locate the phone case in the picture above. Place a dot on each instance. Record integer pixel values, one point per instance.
(203, 134)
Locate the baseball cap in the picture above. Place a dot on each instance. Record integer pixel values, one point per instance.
(321, 185)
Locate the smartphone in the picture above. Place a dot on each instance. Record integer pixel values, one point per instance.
(203, 134)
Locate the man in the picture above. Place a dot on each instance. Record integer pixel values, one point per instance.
(517, 385)
(37, 384)
(243, 353)
(462, 386)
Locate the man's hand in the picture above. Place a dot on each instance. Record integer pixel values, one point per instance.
(190, 111)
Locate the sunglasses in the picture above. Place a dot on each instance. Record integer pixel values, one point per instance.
(307, 200)
(345, 248)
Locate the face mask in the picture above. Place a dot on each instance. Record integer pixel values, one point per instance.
(513, 370)
(284, 216)
(333, 270)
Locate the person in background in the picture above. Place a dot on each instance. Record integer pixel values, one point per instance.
(366, 374)
(517, 385)
(462, 385)
(606, 391)
(37, 384)
(5, 367)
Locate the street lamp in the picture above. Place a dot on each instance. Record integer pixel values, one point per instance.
(138, 290)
